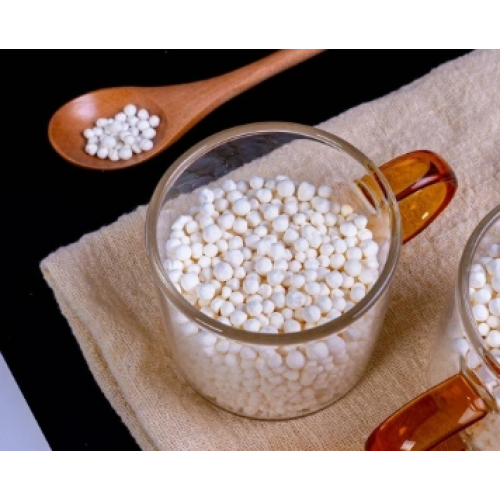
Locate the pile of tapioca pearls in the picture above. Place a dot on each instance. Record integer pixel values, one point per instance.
(484, 285)
(130, 131)
(272, 255)
(484, 293)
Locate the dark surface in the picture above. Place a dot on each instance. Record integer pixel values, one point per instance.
(49, 203)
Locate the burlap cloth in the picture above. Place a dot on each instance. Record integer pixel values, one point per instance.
(104, 287)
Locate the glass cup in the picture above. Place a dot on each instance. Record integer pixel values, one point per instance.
(468, 401)
(249, 373)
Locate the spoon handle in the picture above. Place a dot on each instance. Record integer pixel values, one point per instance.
(239, 80)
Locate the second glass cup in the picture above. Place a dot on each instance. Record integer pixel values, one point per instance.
(465, 364)
(252, 374)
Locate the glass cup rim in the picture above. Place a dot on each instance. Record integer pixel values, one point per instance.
(464, 307)
(307, 132)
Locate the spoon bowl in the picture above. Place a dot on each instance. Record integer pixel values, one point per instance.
(68, 123)
(179, 108)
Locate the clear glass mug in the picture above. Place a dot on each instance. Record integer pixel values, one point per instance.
(464, 371)
(244, 372)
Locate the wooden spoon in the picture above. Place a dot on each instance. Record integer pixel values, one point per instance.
(179, 107)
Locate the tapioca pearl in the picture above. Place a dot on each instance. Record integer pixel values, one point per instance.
(494, 307)
(480, 312)
(222, 346)
(206, 338)
(291, 325)
(493, 267)
(336, 345)
(353, 268)
(494, 251)
(357, 293)
(305, 191)
(477, 279)
(251, 325)
(482, 296)
(493, 339)
(483, 329)
(321, 205)
(339, 303)
(493, 322)
(316, 350)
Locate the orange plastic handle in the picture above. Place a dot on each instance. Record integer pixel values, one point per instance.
(431, 418)
(424, 185)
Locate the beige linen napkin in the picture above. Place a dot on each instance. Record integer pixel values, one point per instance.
(104, 287)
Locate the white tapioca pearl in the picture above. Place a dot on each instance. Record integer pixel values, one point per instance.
(305, 191)
(493, 322)
(364, 235)
(477, 279)
(480, 312)
(256, 182)
(253, 218)
(483, 329)
(280, 223)
(210, 250)
(493, 338)
(240, 225)
(317, 350)
(291, 325)
(292, 375)
(228, 185)
(354, 253)
(241, 207)
(348, 229)
(368, 276)
(482, 296)
(494, 306)
(251, 325)
(265, 290)
(337, 261)
(270, 212)
(339, 303)
(493, 267)
(263, 266)
(336, 345)
(295, 299)
(205, 292)
(234, 196)
(254, 308)
(358, 292)
(211, 233)
(230, 359)
(274, 360)
(339, 246)
(311, 263)
(313, 289)
(353, 268)
(298, 281)
(189, 282)
(334, 279)
(182, 252)
(226, 309)
(295, 360)
(264, 195)
(285, 188)
(346, 210)
(312, 313)
(237, 318)
(324, 303)
(321, 205)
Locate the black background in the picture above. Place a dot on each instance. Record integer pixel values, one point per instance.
(48, 203)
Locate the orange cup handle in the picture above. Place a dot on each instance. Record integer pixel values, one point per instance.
(424, 184)
(431, 418)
